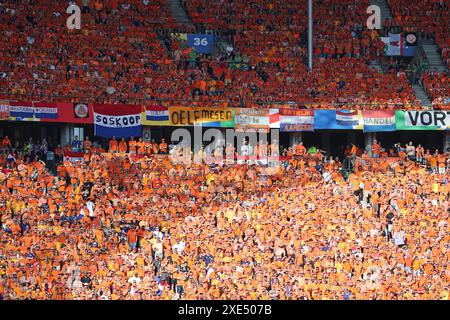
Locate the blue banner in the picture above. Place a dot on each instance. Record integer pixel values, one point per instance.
(336, 119)
(46, 113)
(202, 43)
(21, 111)
(411, 44)
(409, 51)
(123, 132)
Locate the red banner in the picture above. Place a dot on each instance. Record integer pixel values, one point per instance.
(73, 113)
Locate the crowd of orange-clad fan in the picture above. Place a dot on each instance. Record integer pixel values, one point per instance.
(127, 63)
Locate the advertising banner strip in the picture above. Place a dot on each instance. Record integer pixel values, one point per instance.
(127, 120)
(46, 112)
(206, 117)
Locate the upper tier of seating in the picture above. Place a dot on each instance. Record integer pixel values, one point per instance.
(119, 57)
(427, 17)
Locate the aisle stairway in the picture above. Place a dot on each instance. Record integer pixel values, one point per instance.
(385, 15)
(433, 56)
(384, 8)
(421, 95)
(178, 12)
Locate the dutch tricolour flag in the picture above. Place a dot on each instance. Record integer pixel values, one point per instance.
(347, 118)
(156, 113)
(47, 112)
(20, 110)
(120, 121)
(378, 120)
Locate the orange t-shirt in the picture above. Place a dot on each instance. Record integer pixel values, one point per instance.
(113, 145)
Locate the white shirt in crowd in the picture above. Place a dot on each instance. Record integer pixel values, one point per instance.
(246, 150)
(134, 279)
(326, 176)
(179, 247)
(90, 207)
(399, 238)
(410, 150)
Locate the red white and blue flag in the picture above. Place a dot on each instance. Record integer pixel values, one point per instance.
(21, 110)
(120, 120)
(156, 115)
(347, 117)
(44, 110)
(378, 120)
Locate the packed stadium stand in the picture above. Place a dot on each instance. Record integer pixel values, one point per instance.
(431, 20)
(98, 203)
(121, 55)
(108, 60)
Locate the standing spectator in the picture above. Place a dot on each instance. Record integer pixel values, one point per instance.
(11, 158)
(163, 147)
(419, 153)
(113, 145)
(353, 152)
(300, 149)
(376, 149)
(132, 238)
(76, 144)
(132, 145)
(6, 143)
(98, 6)
(87, 144)
(177, 55)
(399, 238)
(441, 159)
(411, 151)
(59, 153)
(123, 146)
(85, 7)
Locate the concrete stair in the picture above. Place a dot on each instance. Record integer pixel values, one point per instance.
(433, 56)
(421, 95)
(386, 12)
(162, 40)
(178, 13)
